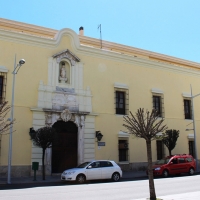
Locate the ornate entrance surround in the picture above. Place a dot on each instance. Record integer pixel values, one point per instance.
(64, 98)
(78, 118)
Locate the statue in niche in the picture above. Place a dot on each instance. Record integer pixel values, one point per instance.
(63, 74)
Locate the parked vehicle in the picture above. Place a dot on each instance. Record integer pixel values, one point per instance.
(98, 169)
(176, 164)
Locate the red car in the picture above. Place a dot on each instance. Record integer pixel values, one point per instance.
(177, 164)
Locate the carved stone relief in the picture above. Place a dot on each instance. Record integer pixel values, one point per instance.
(65, 101)
(66, 115)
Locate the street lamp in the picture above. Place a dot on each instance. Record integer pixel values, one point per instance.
(194, 128)
(16, 69)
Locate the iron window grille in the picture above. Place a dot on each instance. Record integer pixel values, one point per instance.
(187, 109)
(121, 102)
(123, 150)
(192, 148)
(158, 104)
(160, 149)
(3, 80)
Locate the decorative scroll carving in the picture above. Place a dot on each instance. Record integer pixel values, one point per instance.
(82, 121)
(66, 115)
(77, 120)
(48, 119)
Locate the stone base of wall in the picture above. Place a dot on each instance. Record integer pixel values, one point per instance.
(23, 171)
(16, 171)
(139, 166)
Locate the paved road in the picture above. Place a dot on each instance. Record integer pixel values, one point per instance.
(108, 191)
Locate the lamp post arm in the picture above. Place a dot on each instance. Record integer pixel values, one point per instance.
(195, 96)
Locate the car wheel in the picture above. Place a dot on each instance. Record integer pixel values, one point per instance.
(80, 179)
(191, 171)
(115, 177)
(165, 173)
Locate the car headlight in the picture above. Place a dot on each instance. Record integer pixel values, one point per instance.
(71, 172)
(158, 168)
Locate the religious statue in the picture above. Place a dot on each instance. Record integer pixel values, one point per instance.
(63, 74)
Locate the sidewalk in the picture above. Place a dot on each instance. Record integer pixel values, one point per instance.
(56, 178)
(183, 196)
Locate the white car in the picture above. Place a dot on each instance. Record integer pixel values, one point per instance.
(98, 169)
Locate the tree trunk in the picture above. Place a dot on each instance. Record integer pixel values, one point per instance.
(150, 171)
(43, 167)
(170, 152)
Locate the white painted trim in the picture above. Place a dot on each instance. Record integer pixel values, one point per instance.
(3, 69)
(123, 134)
(191, 136)
(187, 95)
(156, 90)
(121, 85)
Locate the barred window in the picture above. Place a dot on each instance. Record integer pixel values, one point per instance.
(187, 109)
(121, 101)
(123, 150)
(192, 148)
(160, 149)
(158, 104)
(3, 80)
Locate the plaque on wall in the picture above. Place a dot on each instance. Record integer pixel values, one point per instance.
(101, 144)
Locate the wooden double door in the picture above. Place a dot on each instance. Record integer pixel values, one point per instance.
(64, 149)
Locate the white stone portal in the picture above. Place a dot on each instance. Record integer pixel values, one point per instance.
(64, 98)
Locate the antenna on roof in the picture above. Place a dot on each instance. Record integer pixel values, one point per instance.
(99, 27)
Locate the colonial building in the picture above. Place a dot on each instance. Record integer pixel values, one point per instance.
(69, 81)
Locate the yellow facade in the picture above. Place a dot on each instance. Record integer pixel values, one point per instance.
(102, 72)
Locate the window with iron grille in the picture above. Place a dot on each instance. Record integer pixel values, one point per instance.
(157, 104)
(187, 109)
(192, 148)
(160, 149)
(121, 101)
(123, 150)
(3, 80)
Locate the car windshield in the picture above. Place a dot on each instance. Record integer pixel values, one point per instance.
(162, 161)
(83, 165)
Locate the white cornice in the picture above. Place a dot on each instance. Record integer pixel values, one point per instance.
(191, 136)
(3, 69)
(11, 25)
(188, 95)
(85, 50)
(156, 90)
(121, 85)
(123, 134)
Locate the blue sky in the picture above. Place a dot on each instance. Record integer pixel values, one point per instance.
(170, 27)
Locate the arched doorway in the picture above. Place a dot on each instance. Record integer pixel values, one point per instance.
(64, 152)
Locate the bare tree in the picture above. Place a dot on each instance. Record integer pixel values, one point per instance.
(146, 125)
(4, 123)
(169, 139)
(43, 138)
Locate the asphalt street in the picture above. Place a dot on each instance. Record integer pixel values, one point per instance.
(127, 190)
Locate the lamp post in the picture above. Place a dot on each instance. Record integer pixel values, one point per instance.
(194, 127)
(16, 69)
